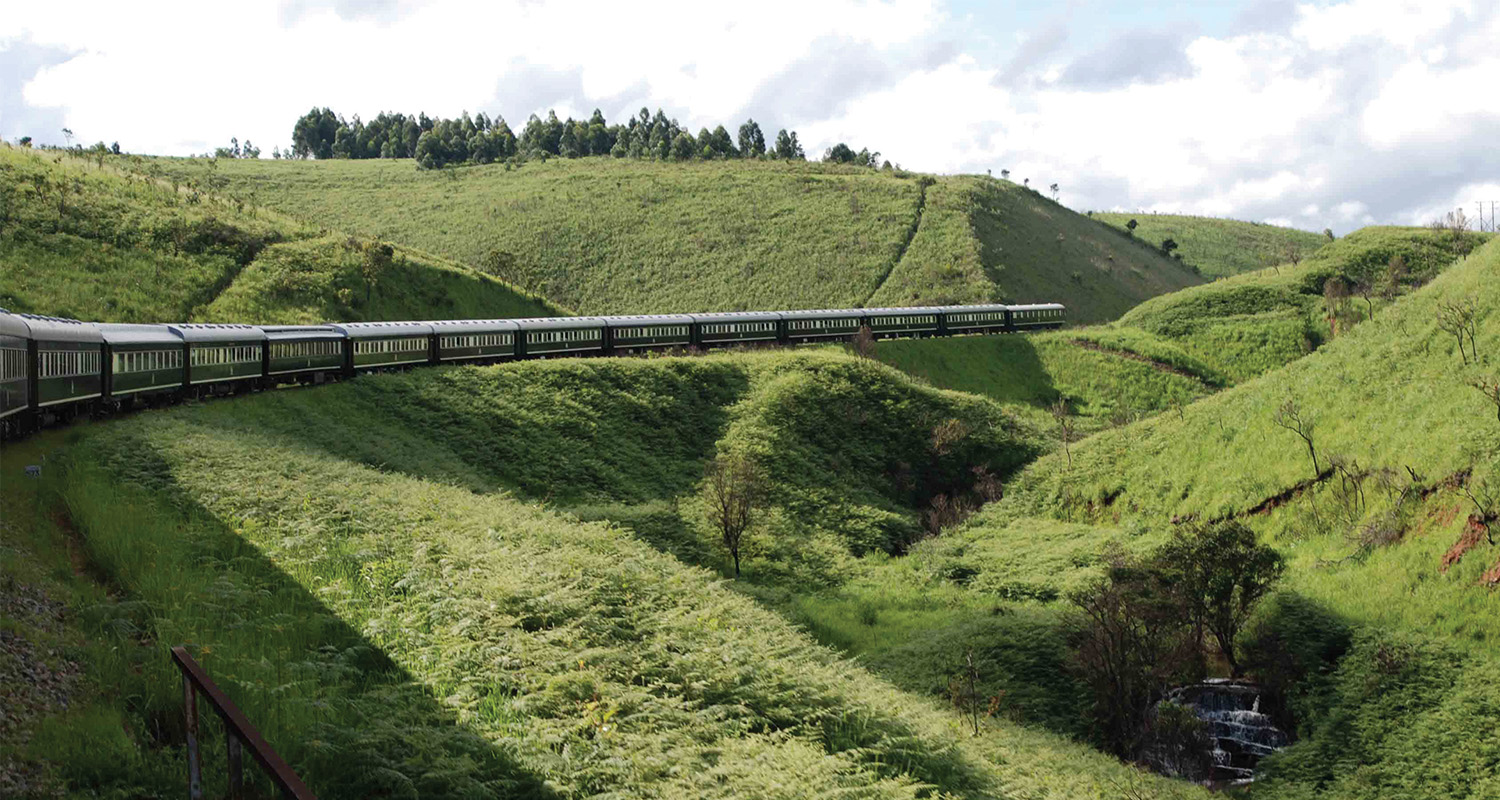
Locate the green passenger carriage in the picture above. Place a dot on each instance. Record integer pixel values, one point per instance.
(826, 323)
(144, 360)
(15, 369)
(69, 364)
(548, 336)
(222, 357)
(918, 321)
(380, 345)
(474, 339)
(649, 330)
(977, 319)
(303, 353)
(736, 327)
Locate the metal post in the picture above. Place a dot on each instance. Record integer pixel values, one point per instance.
(190, 704)
(236, 766)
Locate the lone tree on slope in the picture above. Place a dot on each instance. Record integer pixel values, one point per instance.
(732, 489)
(1289, 416)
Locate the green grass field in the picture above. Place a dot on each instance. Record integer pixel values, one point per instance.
(1220, 247)
(608, 236)
(373, 572)
(93, 242)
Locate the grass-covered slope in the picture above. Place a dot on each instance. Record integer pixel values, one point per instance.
(87, 240)
(403, 619)
(978, 232)
(1389, 616)
(622, 236)
(1101, 383)
(1220, 247)
(1251, 323)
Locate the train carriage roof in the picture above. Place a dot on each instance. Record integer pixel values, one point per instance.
(736, 316)
(303, 332)
(1039, 307)
(975, 308)
(823, 313)
(640, 320)
(13, 325)
(120, 333)
(215, 332)
(559, 323)
(382, 330)
(886, 312)
(61, 329)
(452, 326)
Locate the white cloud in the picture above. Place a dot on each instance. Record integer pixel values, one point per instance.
(1356, 111)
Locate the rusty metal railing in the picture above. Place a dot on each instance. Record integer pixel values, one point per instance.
(239, 733)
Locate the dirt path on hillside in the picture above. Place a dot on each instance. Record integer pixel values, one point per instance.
(1157, 365)
(901, 254)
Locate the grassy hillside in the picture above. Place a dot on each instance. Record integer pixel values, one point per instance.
(406, 618)
(1220, 247)
(978, 232)
(1104, 385)
(608, 236)
(90, 241)
(1389, 591)
(1251, 323)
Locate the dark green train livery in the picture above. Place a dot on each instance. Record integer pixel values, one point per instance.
(144, 361)
(222, 358)
(53, 368)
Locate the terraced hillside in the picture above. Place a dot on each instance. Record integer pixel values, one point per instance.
(89, 240)
(1219, 247)
(438, 630)
(607, 236)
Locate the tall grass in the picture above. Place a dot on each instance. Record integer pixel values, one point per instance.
(396, 631)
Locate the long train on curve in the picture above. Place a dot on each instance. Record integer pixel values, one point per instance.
(56, 369)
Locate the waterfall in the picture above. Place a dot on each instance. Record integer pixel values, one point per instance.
(1238, 733)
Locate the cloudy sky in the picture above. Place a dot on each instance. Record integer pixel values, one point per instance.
(1324, 114)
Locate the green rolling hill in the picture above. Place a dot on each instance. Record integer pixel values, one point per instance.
(94, 241)
(607, 236)
(1219, 247)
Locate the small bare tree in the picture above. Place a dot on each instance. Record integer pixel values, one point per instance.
(1486, 507)
(1365, 287)
(1065, 427)
(862, 344)
(1289, 416)
(1489, 386)
(732, 488)
(963, 690)
(1293, 255)
(1460, 319)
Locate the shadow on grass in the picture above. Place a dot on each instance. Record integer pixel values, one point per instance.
(1004, 368)
(581, 430)
(349, 721)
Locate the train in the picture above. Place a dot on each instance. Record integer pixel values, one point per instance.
(56, 369)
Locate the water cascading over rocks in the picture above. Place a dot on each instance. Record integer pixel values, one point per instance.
(1238, 732)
